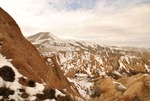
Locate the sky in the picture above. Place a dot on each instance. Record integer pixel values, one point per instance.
(112, 22)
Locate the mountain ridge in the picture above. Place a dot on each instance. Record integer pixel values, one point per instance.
(88, 63)
(69, 41)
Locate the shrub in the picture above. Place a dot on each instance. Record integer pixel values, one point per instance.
(7, 73)
(31, 83)
(22, 90)
(64, 98)
(5, 92)
(23, 93)
(23, 81)
(48, 94)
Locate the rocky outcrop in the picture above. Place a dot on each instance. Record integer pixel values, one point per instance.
(134, 88)
(25, 57)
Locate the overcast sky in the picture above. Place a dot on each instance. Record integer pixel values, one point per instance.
(113, 22)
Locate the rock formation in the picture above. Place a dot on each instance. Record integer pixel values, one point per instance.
(134, 88)
(98, 71)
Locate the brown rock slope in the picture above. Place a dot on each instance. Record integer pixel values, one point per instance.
(25, 56)
(134, 88)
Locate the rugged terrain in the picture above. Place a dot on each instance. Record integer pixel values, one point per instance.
(98, 71)
(24, 75)
(68, 70)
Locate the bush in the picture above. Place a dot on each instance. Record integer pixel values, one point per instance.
(23, 93)
(5, 92)
(7, 74)
(22, 90)
(64, 98)
(31, 83)
(48, 94)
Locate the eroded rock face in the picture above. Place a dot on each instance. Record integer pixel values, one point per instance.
(98, 60)
(84, 63)
(25, 57)
(134, 88)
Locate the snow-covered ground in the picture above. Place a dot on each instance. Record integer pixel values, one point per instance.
(15, 86)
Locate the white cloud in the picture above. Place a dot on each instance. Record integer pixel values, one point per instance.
(104, 23)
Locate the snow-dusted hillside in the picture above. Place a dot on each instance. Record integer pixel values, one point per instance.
(93, 59)
(24, 75)
(16, 87)
(11, 89)
(84, 63)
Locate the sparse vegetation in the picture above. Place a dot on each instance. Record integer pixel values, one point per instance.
(47, 94)
(50, 94)
(5, 92)
(64, 98)
(7, 73)
(23, 93)
(31, 83)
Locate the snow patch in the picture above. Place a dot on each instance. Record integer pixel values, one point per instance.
(147, 68)
(83, 86)
(58, 93)
(119, 86)
(16, 85)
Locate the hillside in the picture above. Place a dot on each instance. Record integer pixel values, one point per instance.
(24, 75)
(89, 65)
